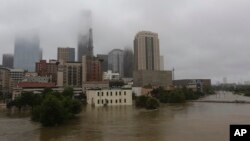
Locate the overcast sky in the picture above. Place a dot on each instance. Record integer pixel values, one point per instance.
(199, 38)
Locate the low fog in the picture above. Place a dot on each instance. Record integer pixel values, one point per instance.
(200, 39)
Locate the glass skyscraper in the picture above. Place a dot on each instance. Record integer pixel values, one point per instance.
(115, 61)
(27, 52)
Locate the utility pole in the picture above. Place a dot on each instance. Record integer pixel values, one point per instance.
(173, 74)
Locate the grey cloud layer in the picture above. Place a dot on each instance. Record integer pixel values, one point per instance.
(201, 39)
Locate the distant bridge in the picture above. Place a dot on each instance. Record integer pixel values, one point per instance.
(222, 101)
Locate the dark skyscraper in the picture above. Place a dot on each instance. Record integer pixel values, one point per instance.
(8, 60)
(85, 45)
(104, 59)
(128, 62)
(27, 52)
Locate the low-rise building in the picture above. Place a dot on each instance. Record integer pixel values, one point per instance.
(95, 85)
(30, 74)
(109, 97)
(47, 69)
(38, 88)
(16, 76)
(40, 79)
(152, 78)
(139, 91)
(196, 85)
(109, 75)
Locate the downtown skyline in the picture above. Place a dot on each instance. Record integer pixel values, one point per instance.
(193, 37)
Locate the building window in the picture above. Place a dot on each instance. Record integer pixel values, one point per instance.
(98, 94)
(111, 94)
(116, 101)
(120, 100)
(102, 93)
(125, 101)
(107, 94)
(111, 101)
(124, 92)
(115, 93)
(98, 101)
(102, 101)
(120, 93)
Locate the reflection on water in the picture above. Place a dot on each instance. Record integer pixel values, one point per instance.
(190, 122)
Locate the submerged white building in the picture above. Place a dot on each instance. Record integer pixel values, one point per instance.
(109, 97)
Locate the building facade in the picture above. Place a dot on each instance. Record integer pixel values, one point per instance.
(16, 76)
(5, 80)
(47, 69)
(128, 62)
(146, 50)
(104, 59)
(93, 69)
(8, 61)
(154, 79)
(27, 52)
(115, 61)
(39, 79)
(109, 97)
(109, 75)
(95, 85)
(72, 75)
(66, 54)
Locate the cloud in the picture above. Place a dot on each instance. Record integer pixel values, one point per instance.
(201, 39)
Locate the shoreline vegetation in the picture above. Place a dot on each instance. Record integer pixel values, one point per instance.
(50, 108)
(159, 95)
(236, 89)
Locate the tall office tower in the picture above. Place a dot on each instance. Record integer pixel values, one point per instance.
(85, 45)
(27, 52)
(161, 62)
(104, 59)
(8, 60)
(66, 54)
(47, 69)
(115, 61)
(128, 62)
(146, 50)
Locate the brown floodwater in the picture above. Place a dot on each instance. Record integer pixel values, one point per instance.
(180, 122)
